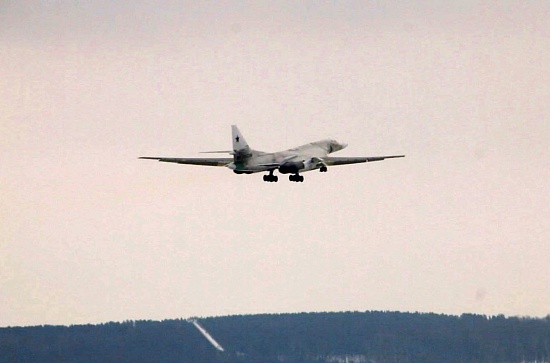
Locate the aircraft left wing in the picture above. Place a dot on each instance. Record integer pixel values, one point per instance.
(331, 161)
(193, 161)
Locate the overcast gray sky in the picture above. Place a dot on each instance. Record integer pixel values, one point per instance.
(89, 234)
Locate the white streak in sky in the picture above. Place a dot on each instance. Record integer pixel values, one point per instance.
(206, 334)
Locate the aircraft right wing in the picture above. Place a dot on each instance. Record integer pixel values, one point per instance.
(331, 161)
(193, 161)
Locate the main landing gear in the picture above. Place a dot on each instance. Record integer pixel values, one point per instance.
(274, 178)
(271, 178)
(323, 169)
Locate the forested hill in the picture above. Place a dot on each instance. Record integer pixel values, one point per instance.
(300, 338)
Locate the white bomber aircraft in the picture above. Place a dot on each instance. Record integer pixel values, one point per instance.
(294, 161)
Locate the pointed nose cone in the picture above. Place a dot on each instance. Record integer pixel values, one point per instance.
(343, 145)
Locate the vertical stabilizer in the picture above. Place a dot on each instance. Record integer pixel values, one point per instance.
(239, 143)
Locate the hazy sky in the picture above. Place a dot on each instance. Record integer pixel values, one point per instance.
(89, 233)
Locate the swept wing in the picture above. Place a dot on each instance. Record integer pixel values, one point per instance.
(332, 161)
(193, 161)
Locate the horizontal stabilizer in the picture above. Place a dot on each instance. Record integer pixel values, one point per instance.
(230, 152)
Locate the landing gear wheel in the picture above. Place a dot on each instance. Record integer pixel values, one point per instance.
(271, 178)
(323, 169)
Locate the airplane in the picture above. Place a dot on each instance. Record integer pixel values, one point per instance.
(293, 161)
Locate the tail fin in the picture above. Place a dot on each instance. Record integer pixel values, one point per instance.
(239, 143)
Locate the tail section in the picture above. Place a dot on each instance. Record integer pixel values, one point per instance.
(240, 146)
(239, 143)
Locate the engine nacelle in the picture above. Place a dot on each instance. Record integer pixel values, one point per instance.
(291, 167)
(294, 167)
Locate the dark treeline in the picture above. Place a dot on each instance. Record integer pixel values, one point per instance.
(381, 337)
